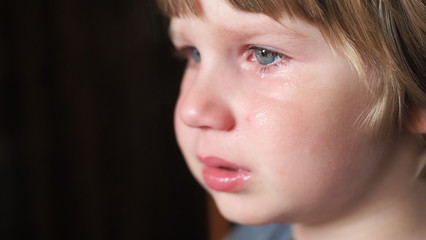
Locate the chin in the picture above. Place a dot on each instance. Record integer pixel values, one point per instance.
(242, 212)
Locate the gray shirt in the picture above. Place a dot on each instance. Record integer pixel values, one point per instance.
(264, 232)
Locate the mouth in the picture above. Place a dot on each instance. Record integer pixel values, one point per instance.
(220, 163)
(229, 169)
(224, 176)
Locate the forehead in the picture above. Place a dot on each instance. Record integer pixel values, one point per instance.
(224, 20)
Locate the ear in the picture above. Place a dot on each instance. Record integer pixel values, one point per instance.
(416, 120)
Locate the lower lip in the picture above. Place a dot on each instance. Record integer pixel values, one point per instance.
(223, 180)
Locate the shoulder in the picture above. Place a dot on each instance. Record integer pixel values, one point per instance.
(264, 232)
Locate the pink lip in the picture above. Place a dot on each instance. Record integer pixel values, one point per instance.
(223, 176)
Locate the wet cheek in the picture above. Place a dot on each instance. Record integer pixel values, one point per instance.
(273, 124)
(295, 142)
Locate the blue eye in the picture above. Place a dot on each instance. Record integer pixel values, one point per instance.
(266, 57)
(196, 55)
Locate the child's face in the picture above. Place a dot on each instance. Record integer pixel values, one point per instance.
(267, 119)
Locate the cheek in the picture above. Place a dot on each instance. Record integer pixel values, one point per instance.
(290, 128)
(274, 123)
(303, 147)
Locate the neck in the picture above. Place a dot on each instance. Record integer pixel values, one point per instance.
(395, 208)
(401, 218)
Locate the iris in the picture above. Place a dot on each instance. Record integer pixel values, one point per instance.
(266, 57)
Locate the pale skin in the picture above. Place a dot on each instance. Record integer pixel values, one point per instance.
(293, 120)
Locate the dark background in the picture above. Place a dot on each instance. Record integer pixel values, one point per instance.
(87, 150)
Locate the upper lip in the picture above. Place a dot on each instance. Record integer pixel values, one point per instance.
(213, 161)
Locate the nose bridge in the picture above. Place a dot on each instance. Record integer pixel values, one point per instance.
(205, 104)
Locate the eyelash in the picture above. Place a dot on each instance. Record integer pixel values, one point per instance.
(185, 53)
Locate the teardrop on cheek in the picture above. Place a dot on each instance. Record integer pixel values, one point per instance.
(258, 118)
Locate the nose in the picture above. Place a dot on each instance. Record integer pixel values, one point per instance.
(205, 107)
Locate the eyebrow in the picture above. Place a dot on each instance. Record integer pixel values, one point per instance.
(239, 35)
(248, 33)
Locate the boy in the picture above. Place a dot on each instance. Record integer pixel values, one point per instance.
(309, 113)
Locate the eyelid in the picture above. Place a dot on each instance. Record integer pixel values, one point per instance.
(269, 49)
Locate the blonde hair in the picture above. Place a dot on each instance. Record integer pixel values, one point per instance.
(383, 39)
